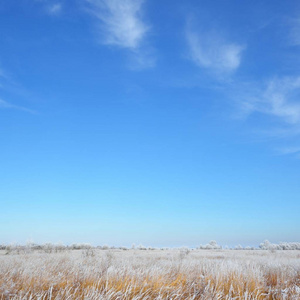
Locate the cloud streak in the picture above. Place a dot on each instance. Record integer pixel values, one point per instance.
(209, 50)
(7, 105)
(289, 150)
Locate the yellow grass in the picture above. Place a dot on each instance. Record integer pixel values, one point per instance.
(151, 275)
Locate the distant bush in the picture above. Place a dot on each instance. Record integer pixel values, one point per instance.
(211, 245)
(80, 246)
(266, 245)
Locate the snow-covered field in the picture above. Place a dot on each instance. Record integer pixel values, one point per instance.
(155, 274)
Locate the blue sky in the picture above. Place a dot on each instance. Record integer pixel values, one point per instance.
(165, 123)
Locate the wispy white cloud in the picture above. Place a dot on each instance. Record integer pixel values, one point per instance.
(280, 98)
(7, 105)
(121, 21)
(54, 9)
(51, 7)
(210, 50)
(274, 104)
(277, 106)
(121, 24)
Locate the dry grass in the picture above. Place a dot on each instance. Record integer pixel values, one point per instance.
(151, 275)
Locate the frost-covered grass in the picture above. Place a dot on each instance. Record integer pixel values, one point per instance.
(156, 274)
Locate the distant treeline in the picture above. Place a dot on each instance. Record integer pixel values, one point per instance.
(212, 245)
(266, 245)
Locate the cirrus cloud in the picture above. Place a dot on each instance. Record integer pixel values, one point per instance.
(121, 24)
(209, 50)
(278, 99)
(121, 21)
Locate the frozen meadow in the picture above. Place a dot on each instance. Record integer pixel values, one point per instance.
(150, 274)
